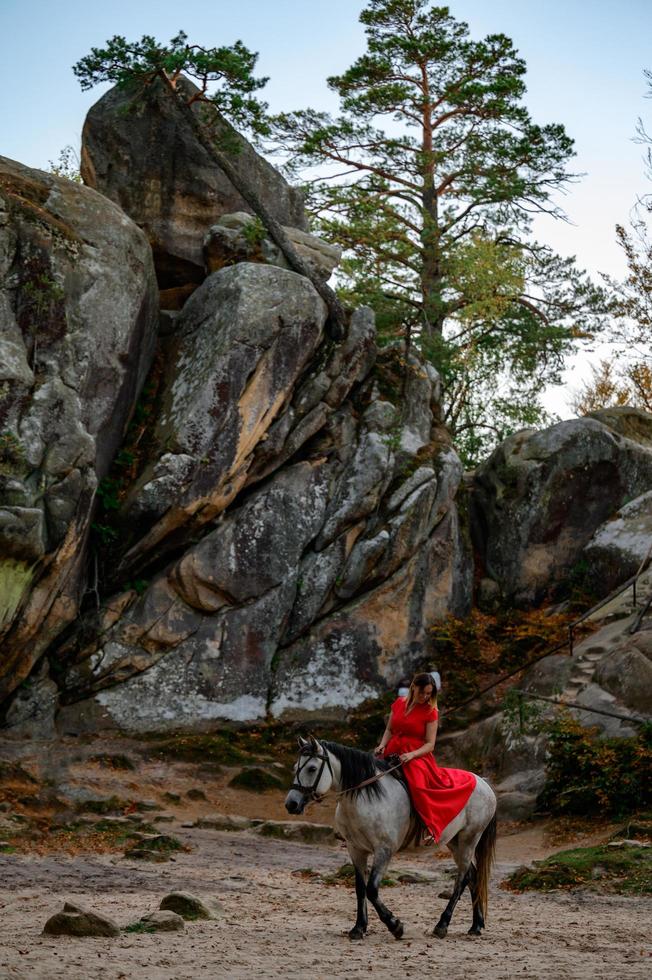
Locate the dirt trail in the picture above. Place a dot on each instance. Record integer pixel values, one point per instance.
(279, 924)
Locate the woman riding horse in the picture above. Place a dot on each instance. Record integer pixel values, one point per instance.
(438, 794)
(376, 818)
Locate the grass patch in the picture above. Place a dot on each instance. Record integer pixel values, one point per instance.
(625, 870)
(215, 750)
(139, 928)
(345, 875)
(255, 781)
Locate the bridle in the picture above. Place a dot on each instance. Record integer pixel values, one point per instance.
(311, 791)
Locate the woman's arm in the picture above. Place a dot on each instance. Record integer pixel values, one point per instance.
(428, 745)
(387, 734)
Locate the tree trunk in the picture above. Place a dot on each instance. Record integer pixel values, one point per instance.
(431, 273)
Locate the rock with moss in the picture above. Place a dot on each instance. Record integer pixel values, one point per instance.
(76, 921)
(240, 237)
(140, 149)
(540, 497)
(191, 907)
(78, 305)
(226, 611)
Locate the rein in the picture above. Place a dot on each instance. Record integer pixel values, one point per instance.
(368, 782)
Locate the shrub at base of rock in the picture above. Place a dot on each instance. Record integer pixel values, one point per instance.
(191, 906)
(75, 921)
(153, 847)
(255, 781)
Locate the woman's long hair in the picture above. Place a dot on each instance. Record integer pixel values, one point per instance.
(420, 681)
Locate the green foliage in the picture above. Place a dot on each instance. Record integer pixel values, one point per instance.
(254, 232)
(40, 311)
(140, 928)
(227, 71)
(12, 454)
(521, 716)
(435, 169)
(255, 780)
(623, 870)
(587, 774)
(66, 165)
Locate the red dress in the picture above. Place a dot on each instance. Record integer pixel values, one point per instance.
(438, 794)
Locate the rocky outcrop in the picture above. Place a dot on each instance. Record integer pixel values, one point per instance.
(326, 549)
(140, 149)
(620, 545)
(541, 495)
(240, 238)
(240, 345)
(78, 315)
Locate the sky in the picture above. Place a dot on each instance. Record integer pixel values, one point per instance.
(585, 61)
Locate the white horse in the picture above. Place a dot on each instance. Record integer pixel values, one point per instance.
(377, 819)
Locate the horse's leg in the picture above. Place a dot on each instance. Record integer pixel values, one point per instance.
(359, 861)
(478, 918)
(382, 858)
(462, 851)
(472, 882)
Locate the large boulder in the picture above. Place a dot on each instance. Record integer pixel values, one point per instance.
(620, 545)
(241, 344)
(540, 496)
(240, 238)
(78, 328)
(140, 149)
(315, 587)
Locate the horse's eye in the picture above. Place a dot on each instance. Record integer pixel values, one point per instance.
(312, 769)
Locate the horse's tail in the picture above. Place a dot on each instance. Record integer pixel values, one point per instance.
(484, 857)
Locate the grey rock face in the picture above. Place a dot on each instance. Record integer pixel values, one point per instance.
(78, 311)
(242, 342)
(627, 675)
(140, 150)
(327, 568)
(234, 239)
(619, 546)
(541, 495)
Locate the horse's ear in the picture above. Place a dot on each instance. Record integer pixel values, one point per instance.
(302, 742)
(313, 741)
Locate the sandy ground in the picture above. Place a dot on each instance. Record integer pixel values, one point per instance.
(276, 923)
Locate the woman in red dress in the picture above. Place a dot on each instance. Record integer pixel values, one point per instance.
(438, 794)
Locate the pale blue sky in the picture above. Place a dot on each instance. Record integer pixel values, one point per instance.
(585, 63)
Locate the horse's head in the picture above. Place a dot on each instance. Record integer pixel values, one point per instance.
(313, 775)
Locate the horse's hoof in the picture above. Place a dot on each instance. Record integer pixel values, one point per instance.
(440, 932)
(356, 933)
(398, 930)
(475, 931)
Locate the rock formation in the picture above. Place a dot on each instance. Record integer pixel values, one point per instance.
(141, 151)
(78, 317)
(285, 519)
(316, 520)
(540, 497)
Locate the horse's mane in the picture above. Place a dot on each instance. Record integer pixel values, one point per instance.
(358, 766)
